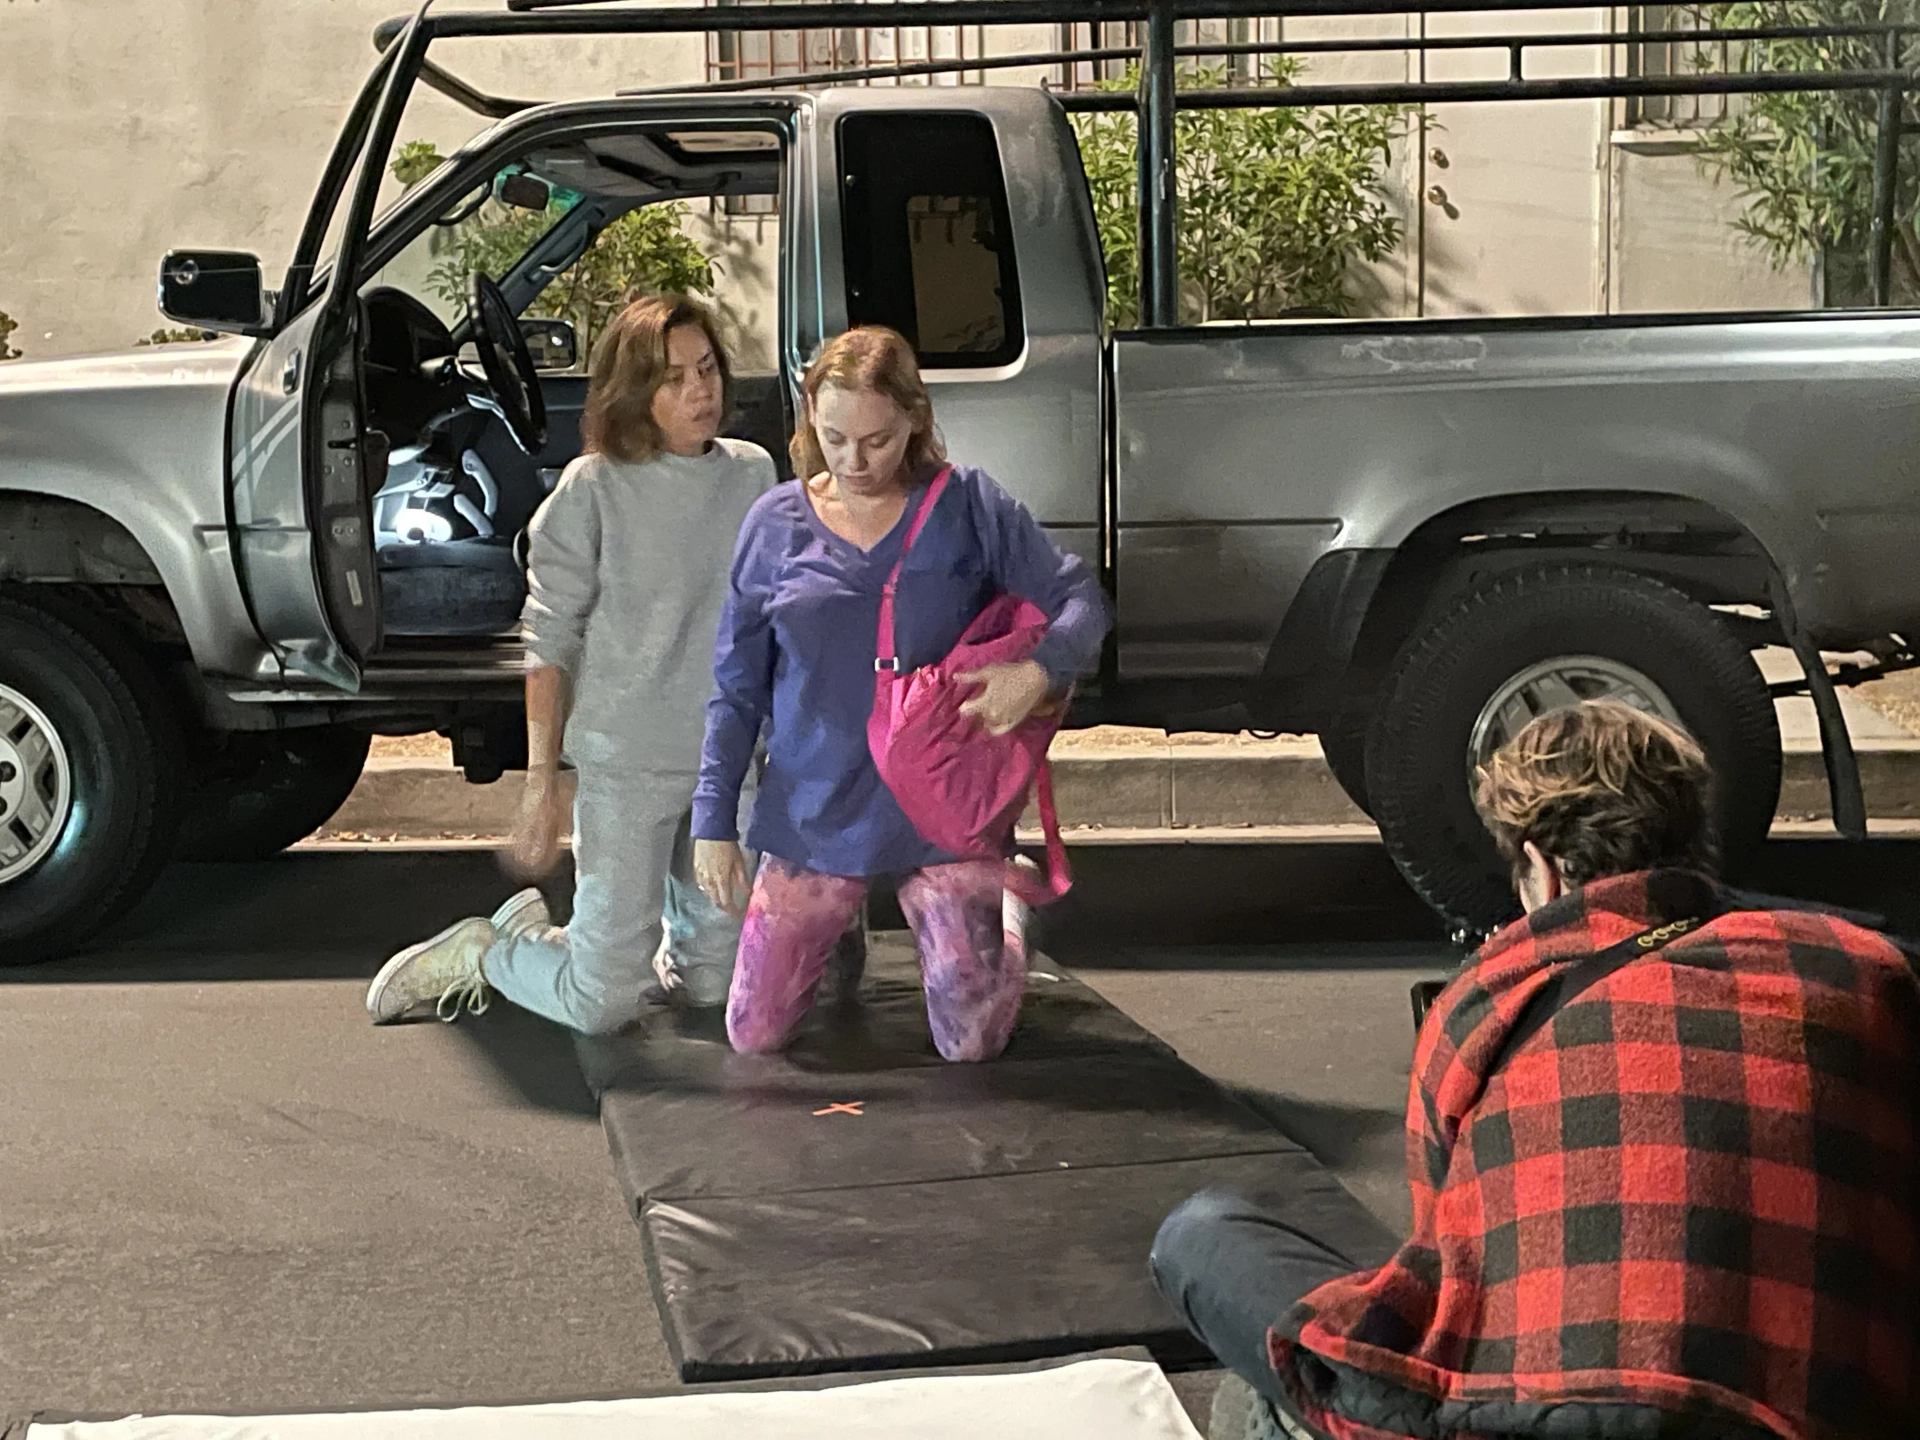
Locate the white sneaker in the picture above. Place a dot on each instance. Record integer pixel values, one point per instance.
(444, 972)
(522, 914)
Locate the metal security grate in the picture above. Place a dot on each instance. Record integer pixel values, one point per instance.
(774, 53)
(1126, 34)
(1676, 57)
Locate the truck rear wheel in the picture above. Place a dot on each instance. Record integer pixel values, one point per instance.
(1535, 641)
(263, 791)
(89, 777)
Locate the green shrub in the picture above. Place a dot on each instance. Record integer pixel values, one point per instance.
(1276, 206)
(1803, 162)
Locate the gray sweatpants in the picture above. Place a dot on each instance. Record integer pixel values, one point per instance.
(633, 881)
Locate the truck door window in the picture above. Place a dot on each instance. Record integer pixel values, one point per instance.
(929, 244)
(482, 233)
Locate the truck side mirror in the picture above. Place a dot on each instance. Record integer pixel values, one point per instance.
(214, 289)
(553, 344)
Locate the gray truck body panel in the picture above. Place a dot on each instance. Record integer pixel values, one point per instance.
(141, 438)
(1245, 457)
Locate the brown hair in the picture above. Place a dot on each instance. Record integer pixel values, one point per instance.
(629, 367)
(1603, 789)
(874, 358)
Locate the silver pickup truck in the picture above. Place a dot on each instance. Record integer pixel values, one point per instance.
(1406, 536)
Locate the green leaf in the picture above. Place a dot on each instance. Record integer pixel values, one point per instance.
(414, 161)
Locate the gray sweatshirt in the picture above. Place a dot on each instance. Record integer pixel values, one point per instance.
(627, 570)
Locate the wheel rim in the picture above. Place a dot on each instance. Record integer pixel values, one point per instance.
(1556, 684)
(36, 785)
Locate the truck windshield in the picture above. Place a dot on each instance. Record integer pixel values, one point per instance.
(575, 223)
(488, 230)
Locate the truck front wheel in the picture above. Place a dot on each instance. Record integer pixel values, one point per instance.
(262, 791)
(89, 777)
(1538, 640)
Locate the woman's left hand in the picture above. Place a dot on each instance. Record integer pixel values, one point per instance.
(1008, 694)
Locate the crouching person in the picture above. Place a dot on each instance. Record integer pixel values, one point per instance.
(1662, 1155)
(627, 573)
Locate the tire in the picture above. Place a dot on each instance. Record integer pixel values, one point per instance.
(263, 791)
(1556, 617)
(111, 762)
(1343, 742)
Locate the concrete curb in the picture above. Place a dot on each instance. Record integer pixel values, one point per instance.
(1178, 783)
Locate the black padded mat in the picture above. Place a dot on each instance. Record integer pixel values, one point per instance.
(994, 1268)
(1059, 1019)
(858, 1204)
(916, 1126)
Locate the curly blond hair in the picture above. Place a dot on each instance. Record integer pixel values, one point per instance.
(1602, 789)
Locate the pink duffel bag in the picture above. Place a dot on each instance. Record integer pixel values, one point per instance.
(963, 788)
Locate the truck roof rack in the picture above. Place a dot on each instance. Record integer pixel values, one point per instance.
(1158, 97)
(535, 17)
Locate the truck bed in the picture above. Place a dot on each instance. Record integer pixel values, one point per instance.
(1246, 453)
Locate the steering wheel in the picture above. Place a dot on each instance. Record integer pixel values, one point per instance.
(508, 364)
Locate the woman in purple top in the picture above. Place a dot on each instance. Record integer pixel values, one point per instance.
(795, 657)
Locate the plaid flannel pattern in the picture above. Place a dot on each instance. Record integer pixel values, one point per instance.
(1694, 1189)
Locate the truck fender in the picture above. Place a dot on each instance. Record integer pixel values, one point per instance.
(49, 538)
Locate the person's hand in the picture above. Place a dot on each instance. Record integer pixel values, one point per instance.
(1008, 694)
(720, 870)
(534, 851)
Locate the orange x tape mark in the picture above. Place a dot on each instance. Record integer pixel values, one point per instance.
(843, 1107)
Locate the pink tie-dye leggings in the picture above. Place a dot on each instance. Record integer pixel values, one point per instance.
(972, 961)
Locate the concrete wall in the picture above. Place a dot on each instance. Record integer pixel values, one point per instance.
(1542, 208)
(127, 128)
(1674, 246)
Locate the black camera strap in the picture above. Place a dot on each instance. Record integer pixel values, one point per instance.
(1582, 975)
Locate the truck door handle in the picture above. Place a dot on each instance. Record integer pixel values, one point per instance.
(290, 377)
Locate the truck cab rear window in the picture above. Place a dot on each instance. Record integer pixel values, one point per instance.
(929, 248)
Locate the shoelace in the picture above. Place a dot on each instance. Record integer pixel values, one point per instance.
(471, 993)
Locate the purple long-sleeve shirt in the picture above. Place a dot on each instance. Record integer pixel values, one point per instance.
(796, 649)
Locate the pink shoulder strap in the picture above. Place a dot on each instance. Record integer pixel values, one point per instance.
(884, 657)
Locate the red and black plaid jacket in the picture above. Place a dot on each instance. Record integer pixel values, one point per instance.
(1692, 1192)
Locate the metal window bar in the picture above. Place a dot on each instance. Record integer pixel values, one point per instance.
(1690, 46)
(777, 54)
(1245, 43)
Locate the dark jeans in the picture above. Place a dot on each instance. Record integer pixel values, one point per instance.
(1233, 1266)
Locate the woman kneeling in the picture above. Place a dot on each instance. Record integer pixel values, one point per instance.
(796, 654)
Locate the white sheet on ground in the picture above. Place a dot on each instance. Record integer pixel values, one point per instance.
(1106, 1399)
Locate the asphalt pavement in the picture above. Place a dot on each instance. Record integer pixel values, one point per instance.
(223, 1189)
